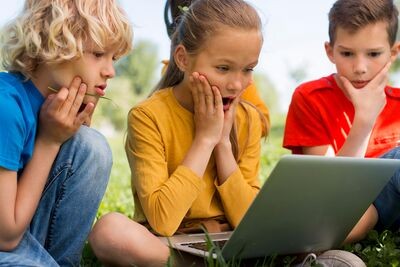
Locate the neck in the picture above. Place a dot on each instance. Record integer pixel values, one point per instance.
(40, 79)
(183, 95)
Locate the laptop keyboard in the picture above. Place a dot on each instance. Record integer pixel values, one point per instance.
(203, 245)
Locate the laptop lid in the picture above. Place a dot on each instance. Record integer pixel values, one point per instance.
(308, 204)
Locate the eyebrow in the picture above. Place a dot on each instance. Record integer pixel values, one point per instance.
(369, 49)
(232, 62)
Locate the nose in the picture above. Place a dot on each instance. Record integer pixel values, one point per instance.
(108, 70)
(360, 66)
(236, 83)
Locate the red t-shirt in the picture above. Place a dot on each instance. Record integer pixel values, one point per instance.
(320, 114)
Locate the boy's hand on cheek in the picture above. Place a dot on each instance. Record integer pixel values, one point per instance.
(370, 100)
(60, 117)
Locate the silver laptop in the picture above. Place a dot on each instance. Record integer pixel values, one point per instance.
(308, 204)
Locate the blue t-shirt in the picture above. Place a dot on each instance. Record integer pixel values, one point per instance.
(20, 103)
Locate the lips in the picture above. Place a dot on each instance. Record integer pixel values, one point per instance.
(359, 84)
(100, 90)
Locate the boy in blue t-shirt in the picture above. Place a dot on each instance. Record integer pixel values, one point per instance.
(53, 170)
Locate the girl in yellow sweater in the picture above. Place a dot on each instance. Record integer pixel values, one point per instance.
(193, 146)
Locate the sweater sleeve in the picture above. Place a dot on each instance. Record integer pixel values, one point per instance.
(239, 190)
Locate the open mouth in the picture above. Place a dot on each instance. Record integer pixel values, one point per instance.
(226, 102)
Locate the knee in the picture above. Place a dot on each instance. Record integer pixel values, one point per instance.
(104, 231)
(94, 146)
(119, 241)
(392, 154)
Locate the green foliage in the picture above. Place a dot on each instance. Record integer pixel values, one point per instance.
(378, 249)
(139, 67)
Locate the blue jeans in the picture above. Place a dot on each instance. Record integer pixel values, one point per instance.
(69, 203)
(388, 201)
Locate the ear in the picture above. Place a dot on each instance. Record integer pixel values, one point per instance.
(394, 51)
(329, 52)
(181, 57)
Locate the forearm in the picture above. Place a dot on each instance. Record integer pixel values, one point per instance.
(356, 143)
(198, 156)
(236, 195)
(23, 199)
(225, 161)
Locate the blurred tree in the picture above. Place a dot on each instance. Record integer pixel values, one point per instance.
(139, 66)
(267, 92)
(136, 74)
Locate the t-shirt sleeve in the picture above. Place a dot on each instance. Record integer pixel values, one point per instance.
(11, 133)
(304, 124)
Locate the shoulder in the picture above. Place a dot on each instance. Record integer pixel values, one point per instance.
(10, 83)
(161, 108)
(322, 84)
(11, 93)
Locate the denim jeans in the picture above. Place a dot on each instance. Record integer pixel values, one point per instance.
(68, 205)
(388, 201)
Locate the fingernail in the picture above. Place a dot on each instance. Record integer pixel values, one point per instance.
(82, 86)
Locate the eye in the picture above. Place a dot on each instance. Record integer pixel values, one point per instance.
(98, 53)
(346, 53)
(374, 54)
(223, 68)
(249, 70)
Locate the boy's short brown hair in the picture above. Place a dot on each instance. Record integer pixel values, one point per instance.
(355, 14)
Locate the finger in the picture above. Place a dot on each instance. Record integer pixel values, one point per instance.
(56, 101)
(348, 87)
(48, 101)
(217, 98)
(200, 104)
(72, 92)
(84, 115)
(78, 100)
(208, 94)
(193, 89)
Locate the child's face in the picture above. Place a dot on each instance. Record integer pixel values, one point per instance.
(95, 67)
(360, 55)
(228, 61)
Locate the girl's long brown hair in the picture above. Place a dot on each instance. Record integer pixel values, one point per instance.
(200, 22)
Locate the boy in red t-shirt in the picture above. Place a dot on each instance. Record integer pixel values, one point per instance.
(354, 112)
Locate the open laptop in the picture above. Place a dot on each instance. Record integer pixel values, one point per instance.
(308, 204)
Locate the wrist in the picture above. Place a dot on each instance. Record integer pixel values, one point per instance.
(48, 145)
(223, 147)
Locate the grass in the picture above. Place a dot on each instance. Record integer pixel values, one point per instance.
(378, 249)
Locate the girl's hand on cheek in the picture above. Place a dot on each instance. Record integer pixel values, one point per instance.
(229, 118)
(60, 117)
(208, 109)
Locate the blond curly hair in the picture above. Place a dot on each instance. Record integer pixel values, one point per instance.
(55, 31)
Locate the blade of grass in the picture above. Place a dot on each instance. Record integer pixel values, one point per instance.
(88, 94)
